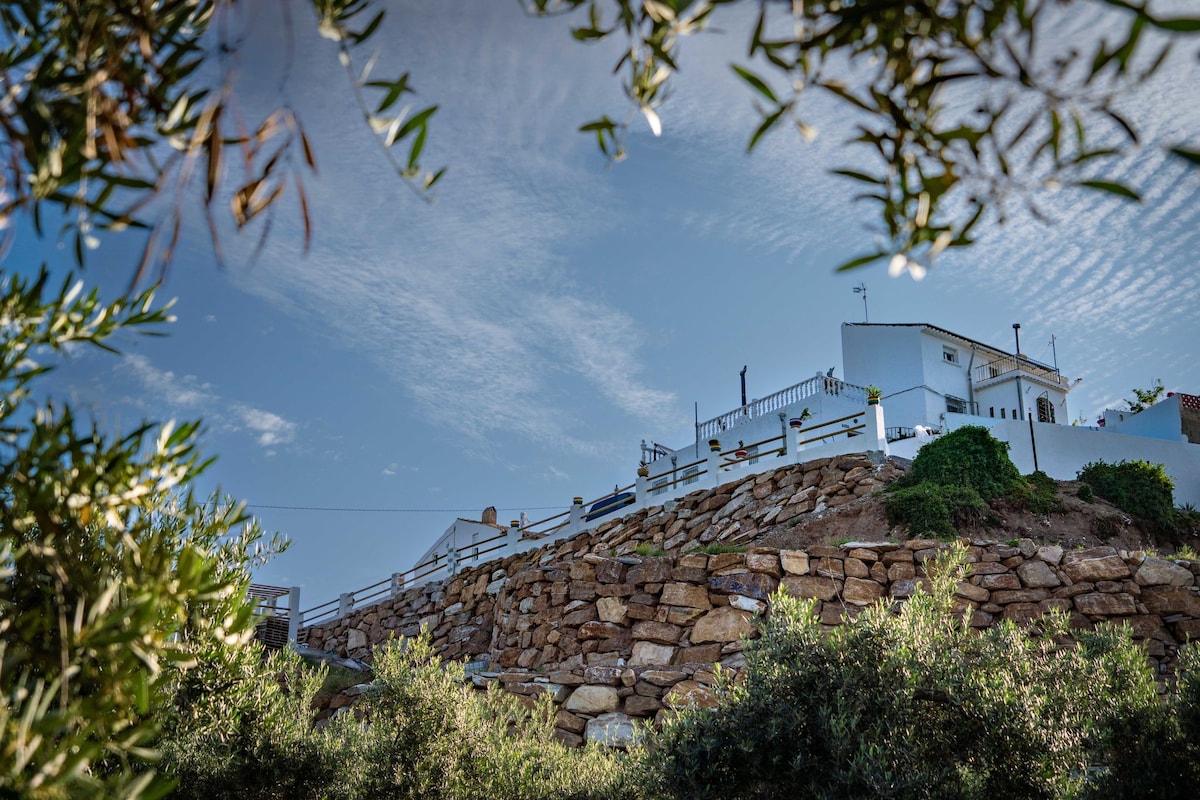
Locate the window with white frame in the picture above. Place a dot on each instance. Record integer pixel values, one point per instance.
(949, 354)
(955, 405)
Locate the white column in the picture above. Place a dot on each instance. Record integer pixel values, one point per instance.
(514, 537)
(397, 583)
(575, 519)
(641, 491)
(714, 466)
(345, 603)
(795, 448)
(293, 614)
(875, 429)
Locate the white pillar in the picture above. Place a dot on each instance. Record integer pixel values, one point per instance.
(345, 603)
(452, 560)
(641, 492)
(293, 614)
(714, 466)
(575, 518)
(875, 429)
(397, 583)
(795, 448)
(514, 536)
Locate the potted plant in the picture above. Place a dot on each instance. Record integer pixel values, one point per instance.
(798, 422)
(874, 393)
(643, 470)
(714, 445)
(741, 451)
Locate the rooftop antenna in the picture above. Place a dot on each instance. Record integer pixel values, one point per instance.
(862, 289)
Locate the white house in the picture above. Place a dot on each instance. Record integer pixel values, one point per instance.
(926, 372)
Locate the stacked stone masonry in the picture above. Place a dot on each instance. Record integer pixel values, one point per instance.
(615, 637)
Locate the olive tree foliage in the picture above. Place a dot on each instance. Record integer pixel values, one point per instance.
(911, 702)
(1046, 112)
(113, 110)
(110, 569)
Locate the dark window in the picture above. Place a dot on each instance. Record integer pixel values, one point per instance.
(992, 411)
(956, 405)
(1045, 410)
(1002, 414)
(1014, 413)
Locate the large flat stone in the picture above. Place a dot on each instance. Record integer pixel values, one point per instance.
(1038, 575)
(1104, 604)
(812, 586)
(1094, 564)
(613, 729)
(590, 699)
(1160, 572)
(722, 625)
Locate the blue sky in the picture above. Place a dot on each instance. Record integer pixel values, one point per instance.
(511, 343)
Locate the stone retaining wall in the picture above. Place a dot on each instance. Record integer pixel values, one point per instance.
(614, 639)
(460, 613)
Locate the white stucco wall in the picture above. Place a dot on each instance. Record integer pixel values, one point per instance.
(891, 358)
(1062, 450)
(1160, 421)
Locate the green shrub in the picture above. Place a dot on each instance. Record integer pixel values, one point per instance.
(432, 736)
(1085, 493)
(1136, 487)
(930, 509)
(969, 456)
(1036, 492)
(907, 704)
(242, 730)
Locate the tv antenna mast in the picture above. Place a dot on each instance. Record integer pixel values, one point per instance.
(862, 289)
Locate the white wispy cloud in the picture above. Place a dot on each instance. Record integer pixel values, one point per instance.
(187, 394)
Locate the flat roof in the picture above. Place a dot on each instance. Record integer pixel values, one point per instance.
(951, 334)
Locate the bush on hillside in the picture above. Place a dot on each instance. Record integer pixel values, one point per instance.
(969, 456)
(1136, 487)
(1153, 752)
(1036, 492)
(243, 731)
(913, 704)
(930, 509)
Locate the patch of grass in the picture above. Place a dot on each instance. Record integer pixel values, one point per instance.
(647, 550)
(720, 548)
(1187, 552)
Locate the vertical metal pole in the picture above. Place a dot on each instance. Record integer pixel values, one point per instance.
(1020, 394)
(1033, 444)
